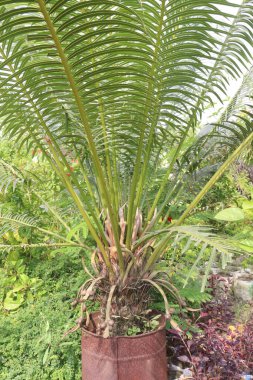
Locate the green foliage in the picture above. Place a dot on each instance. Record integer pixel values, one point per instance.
(193, 294)
(98, 92)
(133, 331)
(16, 286)
(32, 346)
(68, 88)
(22, 210)
(149, 324)
(231, 197)
(32, 342)
(232, 214)
(223, 191)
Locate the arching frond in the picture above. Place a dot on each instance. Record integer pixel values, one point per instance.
(203, 235)
(26, 247)
(202, 239)
(241, 97)
(12, 222)
(116, 68)
(118, 84)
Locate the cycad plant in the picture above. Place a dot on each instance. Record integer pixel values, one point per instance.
(121, 86)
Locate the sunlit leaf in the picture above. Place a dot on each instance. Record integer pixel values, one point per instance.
(13, 301)
(232, 214)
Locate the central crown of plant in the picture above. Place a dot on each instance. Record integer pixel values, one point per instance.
(122, 85)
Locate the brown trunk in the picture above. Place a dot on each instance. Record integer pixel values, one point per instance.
(141, 357)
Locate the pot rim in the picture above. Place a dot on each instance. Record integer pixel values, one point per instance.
(162, 325)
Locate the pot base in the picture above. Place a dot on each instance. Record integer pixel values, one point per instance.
(141, 357)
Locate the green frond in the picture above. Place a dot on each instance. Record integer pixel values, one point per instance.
(9, 248)
(147, 54)
(223, 137)
(241, 97)
(204, 236)
(9, 176)
(12, 222)
(216, 176)
(200, 238)
(119, 84)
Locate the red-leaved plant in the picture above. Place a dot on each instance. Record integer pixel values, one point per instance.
(224, 348)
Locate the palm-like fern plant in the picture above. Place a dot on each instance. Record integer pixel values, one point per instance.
(121, 85)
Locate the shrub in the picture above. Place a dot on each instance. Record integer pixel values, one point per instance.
(223, 349)
(32, 346)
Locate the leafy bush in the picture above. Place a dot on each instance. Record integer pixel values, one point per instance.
(32, 346)
(222, 350)
(31, 339)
